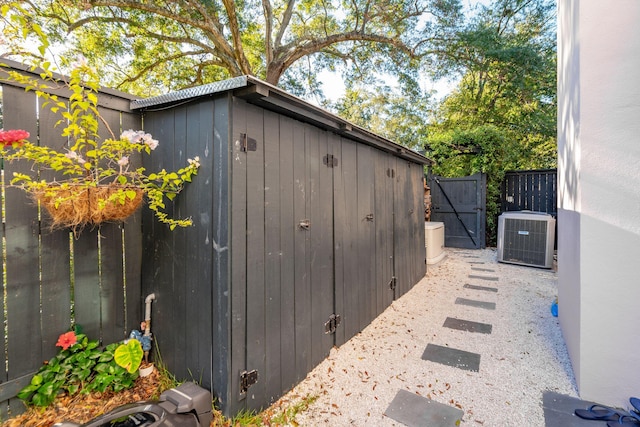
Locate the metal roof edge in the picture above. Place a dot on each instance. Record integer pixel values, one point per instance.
(192, 92)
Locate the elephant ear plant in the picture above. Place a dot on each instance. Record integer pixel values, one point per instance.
(94, 180)
(81, 366)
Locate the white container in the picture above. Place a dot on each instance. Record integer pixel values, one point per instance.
(147, 370)
(434, 241)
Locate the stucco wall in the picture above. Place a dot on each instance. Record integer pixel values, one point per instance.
(599, 194)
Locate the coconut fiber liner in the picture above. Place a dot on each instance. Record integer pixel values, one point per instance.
(79, 207)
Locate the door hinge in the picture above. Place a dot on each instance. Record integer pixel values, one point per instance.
(332, 324)
(330, 161)
(247, 379)
(393, 282)
(247, 144)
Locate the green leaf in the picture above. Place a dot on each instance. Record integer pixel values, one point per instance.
(26, 392)
(73, 389)
(129, 355)
(36, 380)
(105, 357)
(47, 389)
(41, 399)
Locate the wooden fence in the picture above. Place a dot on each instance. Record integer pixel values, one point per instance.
(533, 190)
(51, 280)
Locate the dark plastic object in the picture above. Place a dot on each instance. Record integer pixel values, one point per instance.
(188, 405)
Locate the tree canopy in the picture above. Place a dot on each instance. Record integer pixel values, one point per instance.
(169, 45)
(502, 114)
(507, 60)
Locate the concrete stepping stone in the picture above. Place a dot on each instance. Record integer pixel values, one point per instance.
(452, 357)
(482, 269)
(474, 303)
(481, 277)
(417, 411)
(467, 325)
(480, 288)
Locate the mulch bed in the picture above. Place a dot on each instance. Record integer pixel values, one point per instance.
(84, 407)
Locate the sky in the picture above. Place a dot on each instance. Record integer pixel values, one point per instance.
(334, 88)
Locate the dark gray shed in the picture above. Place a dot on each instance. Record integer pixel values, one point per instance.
(306, 228)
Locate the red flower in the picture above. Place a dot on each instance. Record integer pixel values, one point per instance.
(10, 137)
(66, 340)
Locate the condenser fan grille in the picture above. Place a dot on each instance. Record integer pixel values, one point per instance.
(525, 241)
(526, 238)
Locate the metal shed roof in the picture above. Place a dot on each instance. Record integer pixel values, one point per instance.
(273, 98)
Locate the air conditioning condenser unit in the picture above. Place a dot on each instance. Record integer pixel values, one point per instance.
(526, 238)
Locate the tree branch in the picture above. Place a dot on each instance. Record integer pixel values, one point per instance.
(234, 28)
(209, 26)
(286, 20)
(268, 19)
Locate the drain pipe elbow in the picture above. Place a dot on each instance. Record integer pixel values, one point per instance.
(147, 313)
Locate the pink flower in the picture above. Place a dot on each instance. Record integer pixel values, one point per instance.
(137, 137)
(124, 161)
(150, 142)
(10, 137)
(66, 340)
(130, 135)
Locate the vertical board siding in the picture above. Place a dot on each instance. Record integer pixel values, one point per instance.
(302, 279)
(346, 214)
(238, 209)
(366, 236)
(315, 150)
(321, 217)
(132, 232)
(40, 287)
(215, 164)
(533, 190)
(256, 307)
(287, 230)
(273, 255)
(168, 310)
(55, 257)
(419, 250)
(196, 202)
(383, 221)
(22, 289)
(401, 228)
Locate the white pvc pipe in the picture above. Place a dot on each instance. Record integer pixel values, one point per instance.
(147, 313)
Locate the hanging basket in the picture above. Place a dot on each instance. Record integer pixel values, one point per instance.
(77, 206)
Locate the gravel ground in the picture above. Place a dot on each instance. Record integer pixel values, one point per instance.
(523, 356)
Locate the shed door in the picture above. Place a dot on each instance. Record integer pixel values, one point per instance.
(283, 279)
(385, 165)
(460, 204)
(408, 222)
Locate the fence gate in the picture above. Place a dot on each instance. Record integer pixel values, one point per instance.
(460, 204)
